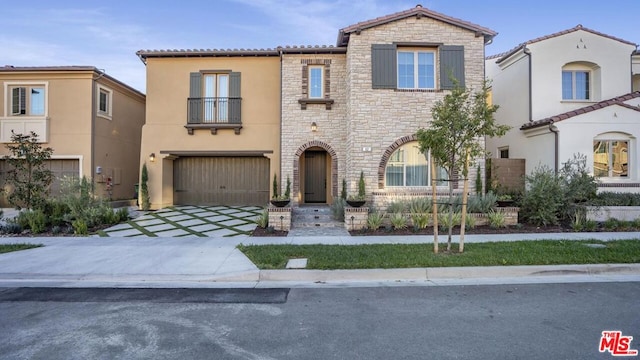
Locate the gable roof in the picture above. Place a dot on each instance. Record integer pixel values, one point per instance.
(620, 100)
(507, 54)
(418, 11)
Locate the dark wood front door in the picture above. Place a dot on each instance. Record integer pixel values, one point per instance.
(315, 177)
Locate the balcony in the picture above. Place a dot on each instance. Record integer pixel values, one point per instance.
(214, 113)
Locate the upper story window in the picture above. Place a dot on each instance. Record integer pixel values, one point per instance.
(316, 82)
(611, 158)
(407, 166)
(581, 81)
(416, 70)
(214, 101)
(575, 85)
(27, 100)
(429, 67)
(105, 99)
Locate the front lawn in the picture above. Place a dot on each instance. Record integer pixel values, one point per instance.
(388, 256)
(5, 248)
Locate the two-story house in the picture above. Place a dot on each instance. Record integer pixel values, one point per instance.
(222, 123)
(567, 93)
(92, 121)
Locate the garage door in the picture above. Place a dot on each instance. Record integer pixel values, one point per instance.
(221, 181)
(60, 167)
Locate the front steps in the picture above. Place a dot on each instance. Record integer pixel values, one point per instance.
(315, 220)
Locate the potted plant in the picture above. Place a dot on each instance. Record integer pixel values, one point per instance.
(284, 199)
(358, 200)
(505, 200)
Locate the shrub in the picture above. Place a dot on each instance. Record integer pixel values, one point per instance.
(144, 188)
(398, 221)
(590, 225)
(496, 219)
(636, 223)
(396, 207)
(420, 220)
(607, 198)
(542, 202)
(361, 186)
(482, 204)
(122, 214)
(374, 221)
(337, 208)
(80, 227)
(343, 192)
(578, 185)
(420, 205)
(37, 221)
(469, 222)
(478, 182)
(611, 224)
(22, 219)
(12, 228)
(263, 219)
(444, 222)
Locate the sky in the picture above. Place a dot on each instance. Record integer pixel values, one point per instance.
(107, 34)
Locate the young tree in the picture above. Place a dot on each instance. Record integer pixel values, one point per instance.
(28, 174)
(144, 188)
(460, 120)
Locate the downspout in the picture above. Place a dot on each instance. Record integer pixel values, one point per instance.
(93, 125)
(527, 52)
(555, 131)
(281, 149)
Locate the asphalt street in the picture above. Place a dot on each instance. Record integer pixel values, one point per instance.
(537, 321)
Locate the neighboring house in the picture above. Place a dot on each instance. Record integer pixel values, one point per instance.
(92, 121)
(567, 93)
(313, 114)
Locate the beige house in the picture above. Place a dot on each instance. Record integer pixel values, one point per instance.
(222, 123)
(92, 121)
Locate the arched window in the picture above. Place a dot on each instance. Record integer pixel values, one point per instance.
(408, 167)
(580, 81)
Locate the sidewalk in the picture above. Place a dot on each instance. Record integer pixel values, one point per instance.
(215, 262)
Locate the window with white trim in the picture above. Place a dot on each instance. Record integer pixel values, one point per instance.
(416, 69)
(408, 167)
(316, 81)
(27, 100)
(576, 85)
(105, 99)
(611, 158)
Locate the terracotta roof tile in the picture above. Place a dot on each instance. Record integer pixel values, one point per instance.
(620, 100)
(344, 33)
(507, 54)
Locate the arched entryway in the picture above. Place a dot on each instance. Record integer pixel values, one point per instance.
(315, 173)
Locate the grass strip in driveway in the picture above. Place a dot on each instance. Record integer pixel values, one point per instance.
(389, 256)
(5, 248)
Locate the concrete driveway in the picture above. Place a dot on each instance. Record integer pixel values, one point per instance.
(189, 221)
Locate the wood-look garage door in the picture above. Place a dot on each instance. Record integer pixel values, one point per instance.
(60, 167)
(221, 181)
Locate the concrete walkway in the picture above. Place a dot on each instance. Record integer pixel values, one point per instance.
(215, 262)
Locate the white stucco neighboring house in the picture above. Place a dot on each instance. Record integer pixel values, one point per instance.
(575, 91)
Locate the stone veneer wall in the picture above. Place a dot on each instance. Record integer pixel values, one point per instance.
(280, 217)
(377, 118)
(331, 131)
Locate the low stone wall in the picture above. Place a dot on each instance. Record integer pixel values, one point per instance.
(382, 199)
(602, 213)
(355, 218)
(280, 217)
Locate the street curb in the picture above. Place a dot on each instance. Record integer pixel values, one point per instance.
(447, 273)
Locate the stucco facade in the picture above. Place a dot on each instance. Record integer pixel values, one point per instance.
(63, 109)
(554, 115)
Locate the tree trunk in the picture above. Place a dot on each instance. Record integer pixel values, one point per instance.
(465, 196)
(435, 206)
(450, 209)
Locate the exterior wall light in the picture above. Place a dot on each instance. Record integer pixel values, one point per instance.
(152, 157)
(314, 127)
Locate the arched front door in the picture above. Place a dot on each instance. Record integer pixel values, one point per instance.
(315, 176)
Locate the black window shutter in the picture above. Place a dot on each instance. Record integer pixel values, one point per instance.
(195, 98)
(383, 66)
(235, 100)
(451, 64)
